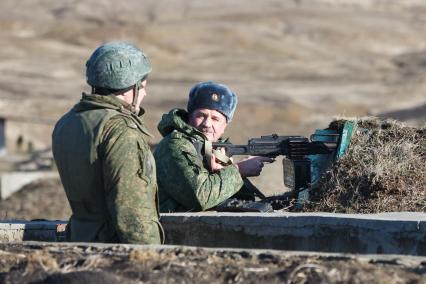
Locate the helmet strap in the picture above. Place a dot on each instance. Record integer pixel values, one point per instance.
(136, 89)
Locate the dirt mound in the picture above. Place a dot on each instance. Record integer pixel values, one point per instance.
(43, 199)
(384, 170)
(50, 263)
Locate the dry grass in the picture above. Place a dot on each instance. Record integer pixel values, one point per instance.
(384, 170)
(103, 264)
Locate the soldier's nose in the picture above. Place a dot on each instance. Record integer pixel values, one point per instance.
(207, 122)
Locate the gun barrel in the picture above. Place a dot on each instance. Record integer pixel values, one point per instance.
(232, 149)
(271, 150)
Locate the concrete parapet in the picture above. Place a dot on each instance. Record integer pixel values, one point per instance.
(386, 233)
(11, 182)
(47, 231)
(389, 233)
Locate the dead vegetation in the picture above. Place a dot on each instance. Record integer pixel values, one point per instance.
(66, 263)
(384, 170)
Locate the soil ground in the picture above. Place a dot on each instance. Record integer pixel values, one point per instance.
(67, 263)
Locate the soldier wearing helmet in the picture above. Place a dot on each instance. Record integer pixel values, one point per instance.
(104, 161)
(194, 180)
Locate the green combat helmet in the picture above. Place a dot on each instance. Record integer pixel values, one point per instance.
(116, 66)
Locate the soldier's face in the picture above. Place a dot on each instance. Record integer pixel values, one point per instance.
(210, 122)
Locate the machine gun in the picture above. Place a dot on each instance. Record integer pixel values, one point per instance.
(296, 149)
(275, 145)
(304, 159)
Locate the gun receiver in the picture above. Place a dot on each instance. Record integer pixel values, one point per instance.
(296, 150)
(293, 147)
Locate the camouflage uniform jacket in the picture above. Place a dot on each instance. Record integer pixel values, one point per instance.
(108, 173)
(184, 181)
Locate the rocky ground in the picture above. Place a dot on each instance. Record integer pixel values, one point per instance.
(47, 263)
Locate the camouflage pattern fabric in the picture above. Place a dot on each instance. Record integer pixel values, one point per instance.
(184, 181)
(108, 173)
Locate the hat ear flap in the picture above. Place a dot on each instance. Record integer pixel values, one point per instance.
(193, 97)
(193, 92)
(232, 106)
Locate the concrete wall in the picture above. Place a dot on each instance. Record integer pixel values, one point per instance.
(47, 231)
(11, 182)
(390, 233)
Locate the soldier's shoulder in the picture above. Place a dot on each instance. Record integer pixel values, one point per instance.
(123, 121)
(120, 125)
(176, 135)
(186, 144)
(175, 140)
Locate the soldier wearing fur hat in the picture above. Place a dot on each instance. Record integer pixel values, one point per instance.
(189, 180)
(104, 161)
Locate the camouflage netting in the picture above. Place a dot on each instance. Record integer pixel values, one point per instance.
(384, 170)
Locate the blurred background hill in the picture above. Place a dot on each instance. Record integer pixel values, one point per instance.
(293, 64)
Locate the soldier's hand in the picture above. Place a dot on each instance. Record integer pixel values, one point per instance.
(252, 166)
(216, 165)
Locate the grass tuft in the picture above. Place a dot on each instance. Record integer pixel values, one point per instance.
(384, 170)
